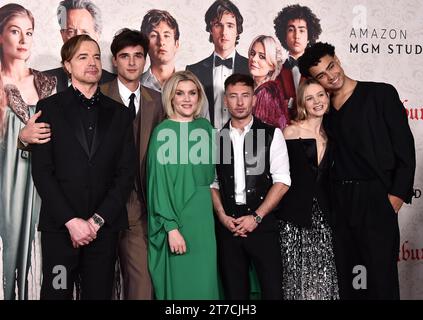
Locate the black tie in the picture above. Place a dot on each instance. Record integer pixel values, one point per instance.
(291, 63)
(227, 62)
(132, 105)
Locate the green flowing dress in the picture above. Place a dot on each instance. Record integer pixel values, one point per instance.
(180, 170)
(20, 252)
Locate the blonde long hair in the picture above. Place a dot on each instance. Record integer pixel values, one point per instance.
(8, 12)
(275, 54)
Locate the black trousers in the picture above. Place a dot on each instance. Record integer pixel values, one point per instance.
(366, 241)
(235, 254)
(93, 264)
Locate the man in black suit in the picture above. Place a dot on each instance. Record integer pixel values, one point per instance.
(77, 17)
(84, 175)
(224, 22)
(373, 174)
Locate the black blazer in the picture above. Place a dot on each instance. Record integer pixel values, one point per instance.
(379, 133)
(74, 181)
(204, 72)
(62, 77)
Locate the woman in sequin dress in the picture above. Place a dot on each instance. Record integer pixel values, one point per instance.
(305, 235)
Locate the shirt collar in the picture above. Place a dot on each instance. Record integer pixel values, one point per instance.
(125, 93)
(232, 55)
(151, 78)
(84, 100)
(246, 128)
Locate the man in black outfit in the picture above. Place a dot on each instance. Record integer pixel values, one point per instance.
(373, 174)
(84, 175)
(252, 177)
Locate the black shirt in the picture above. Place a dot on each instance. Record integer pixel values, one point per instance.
(346, 127)
(88, 109)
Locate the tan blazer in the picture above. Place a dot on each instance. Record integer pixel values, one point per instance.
(150, 114)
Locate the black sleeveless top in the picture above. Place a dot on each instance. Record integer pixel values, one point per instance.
(308, 180)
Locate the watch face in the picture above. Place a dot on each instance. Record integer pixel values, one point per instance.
(98, 221)
(258, 218)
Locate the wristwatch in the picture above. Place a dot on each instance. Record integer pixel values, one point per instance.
(98, 220)
(257, 217)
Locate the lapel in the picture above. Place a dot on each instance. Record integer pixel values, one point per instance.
(287, 83)
(72, 116)
(206, 76)
(105, 116)
(113, 91)
(241, 64)
(144, 121)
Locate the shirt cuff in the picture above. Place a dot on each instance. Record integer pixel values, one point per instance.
(282, 178)
(215, 185)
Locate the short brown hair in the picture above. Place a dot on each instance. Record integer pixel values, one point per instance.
(71, 46)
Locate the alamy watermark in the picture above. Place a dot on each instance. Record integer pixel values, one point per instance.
(199, 147)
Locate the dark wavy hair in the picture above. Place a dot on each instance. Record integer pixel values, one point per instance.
(128, 38)
(216, 11)
(312, 56)
(294, 12)
(154, 17)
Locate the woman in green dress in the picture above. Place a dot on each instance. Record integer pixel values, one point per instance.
(20, 90)
(181, 237)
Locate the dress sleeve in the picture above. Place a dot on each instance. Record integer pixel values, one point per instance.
(271, 106)
(160, 192)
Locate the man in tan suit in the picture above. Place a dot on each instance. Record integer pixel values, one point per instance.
(129, 49)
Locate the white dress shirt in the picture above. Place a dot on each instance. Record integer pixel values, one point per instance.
(279, 161)
(125, 93)
(220, 74)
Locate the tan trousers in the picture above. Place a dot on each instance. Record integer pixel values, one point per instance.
(133, 254)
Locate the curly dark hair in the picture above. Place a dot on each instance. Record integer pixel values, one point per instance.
(312, 56)
(294, 12)
(216, 11)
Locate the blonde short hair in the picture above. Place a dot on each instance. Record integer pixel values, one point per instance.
(169, 89)
(275, 54)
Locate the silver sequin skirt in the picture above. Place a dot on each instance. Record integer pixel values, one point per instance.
(309, 271)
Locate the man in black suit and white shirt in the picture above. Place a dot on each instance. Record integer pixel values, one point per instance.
(224, 22)
(84, 175)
